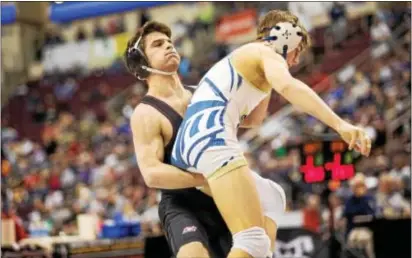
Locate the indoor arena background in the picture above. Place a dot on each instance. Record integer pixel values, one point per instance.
(70, 183)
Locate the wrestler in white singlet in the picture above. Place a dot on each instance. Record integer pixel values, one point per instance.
(207, 139)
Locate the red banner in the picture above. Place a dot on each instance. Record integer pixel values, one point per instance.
(237, 28)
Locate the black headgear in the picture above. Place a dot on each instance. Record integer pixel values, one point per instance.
(136, 53)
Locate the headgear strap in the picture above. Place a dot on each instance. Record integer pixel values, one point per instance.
(137, 50)
(285, 36)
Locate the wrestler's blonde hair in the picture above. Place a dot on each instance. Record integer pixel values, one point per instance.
(273, 17)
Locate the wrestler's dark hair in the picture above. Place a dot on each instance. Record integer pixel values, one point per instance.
(136, 59)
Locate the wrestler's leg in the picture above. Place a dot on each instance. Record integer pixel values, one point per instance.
(271, 229)
(193, 249)
(235, 194)
(184, 232)
(270, 225)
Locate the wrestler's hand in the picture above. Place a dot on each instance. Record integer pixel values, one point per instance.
(356, 137)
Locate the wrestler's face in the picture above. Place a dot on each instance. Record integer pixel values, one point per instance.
(161, 53)
(293, 58)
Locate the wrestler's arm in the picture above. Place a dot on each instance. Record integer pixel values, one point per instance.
(296, 92)
(149, 149)
(258, 114)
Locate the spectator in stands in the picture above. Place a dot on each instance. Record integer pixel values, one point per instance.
(390, 202)
(7, 133)
(360, 206)
(81, 34)
(383, 194)
(401, 167)
(5, 170)
(64, 91)
(39, 113)
(10, 213)
(51, 107)
(205, 17)
(150, 216)
(32, 100)
(116, 25)
(53, 37)
(337, 207)
(180, 29)
(115, 202)
(184, 67)
(380, 32)
(298, 9)
(120, 24)
(406, 42)
(98, 31)
(131, 102)
(69, 227)
(38, 226)
(311, 214)
(339, 23)
(360, 87)
(400, 199)
(38, 50)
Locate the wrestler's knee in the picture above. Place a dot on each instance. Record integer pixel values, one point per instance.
(253, 241)
(194, 249)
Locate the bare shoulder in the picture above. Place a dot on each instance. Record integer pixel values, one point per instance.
(147, 137)
(246, 60)
(143, 117)
(256, 50)
(253, 55)
(248, 51)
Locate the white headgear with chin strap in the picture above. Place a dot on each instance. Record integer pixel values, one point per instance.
(285, 37)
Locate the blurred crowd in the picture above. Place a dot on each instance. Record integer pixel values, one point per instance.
(82, 166)
(376, 96)
(86, 163)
